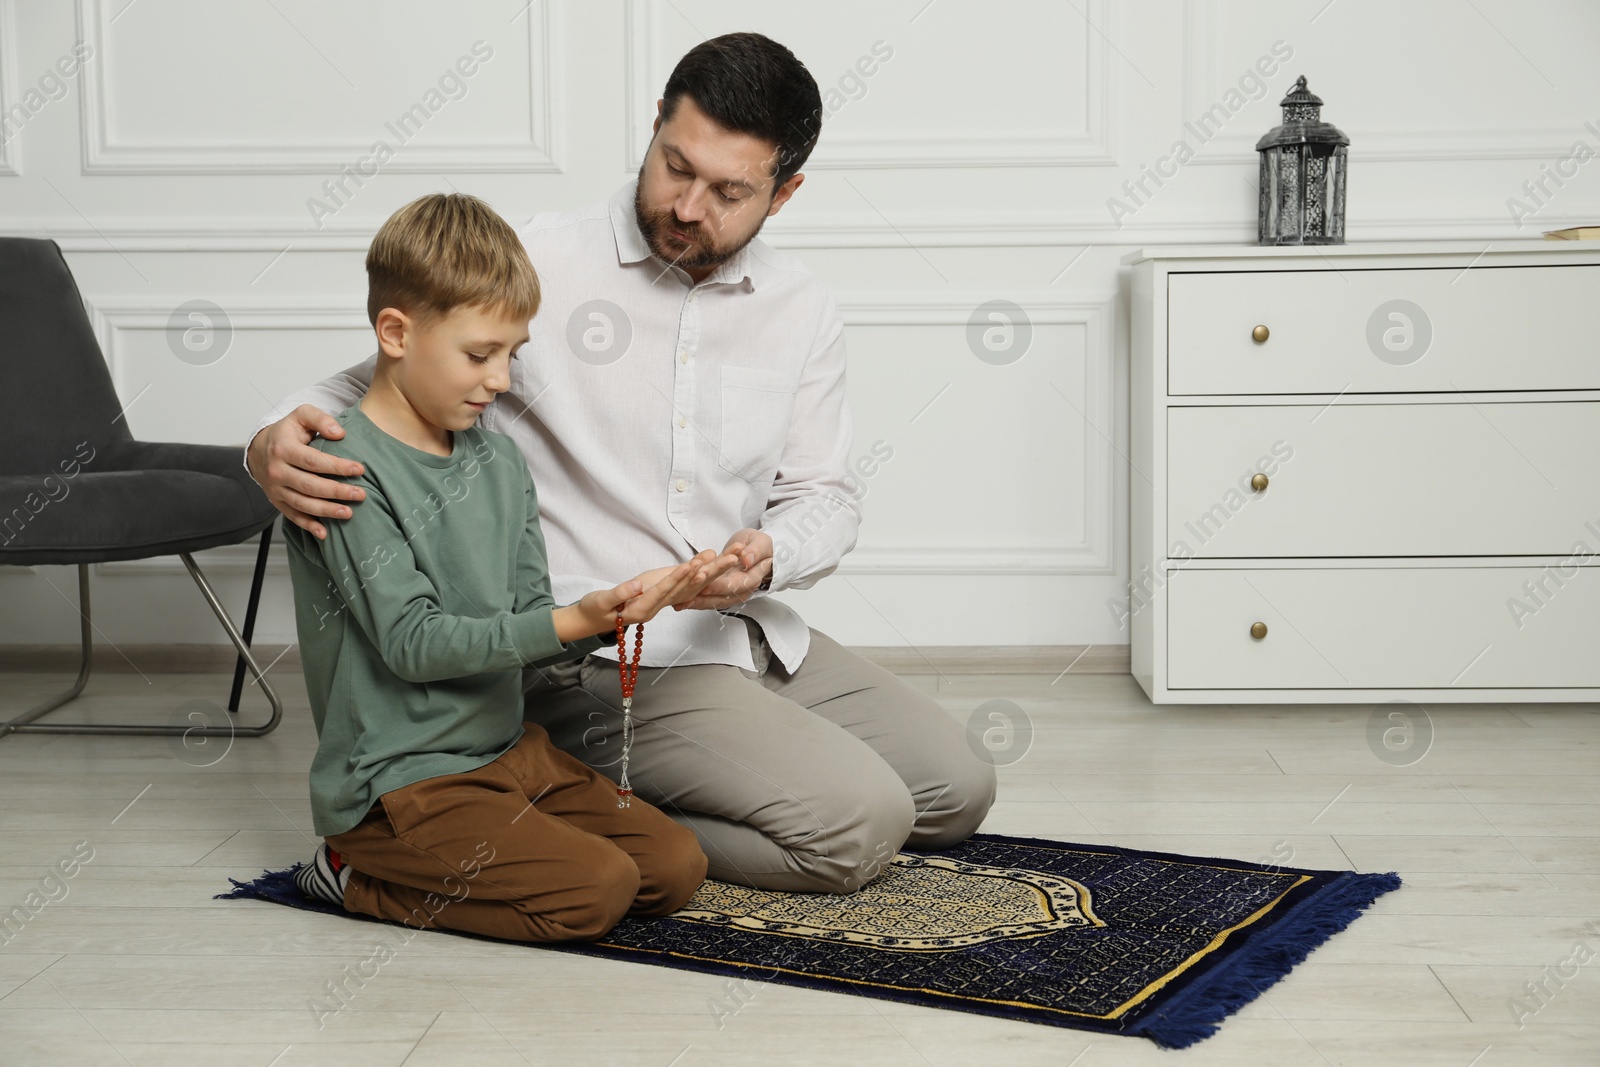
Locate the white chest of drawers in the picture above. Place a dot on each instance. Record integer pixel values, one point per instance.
(1365, 473)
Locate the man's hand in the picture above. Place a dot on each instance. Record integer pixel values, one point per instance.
(290, 471)
(640, 599)
(754, 550)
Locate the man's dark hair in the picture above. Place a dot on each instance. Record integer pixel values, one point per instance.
(751, 84)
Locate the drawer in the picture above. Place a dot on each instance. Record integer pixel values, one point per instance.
(1362, 480)
(1383, 628)
(1487, 328)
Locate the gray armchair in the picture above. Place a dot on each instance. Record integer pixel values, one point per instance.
(76, 488)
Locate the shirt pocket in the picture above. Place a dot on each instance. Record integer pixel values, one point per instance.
(756, 406)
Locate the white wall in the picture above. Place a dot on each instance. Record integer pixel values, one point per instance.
(979, 162)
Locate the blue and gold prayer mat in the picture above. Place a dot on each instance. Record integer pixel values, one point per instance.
(1092, 937)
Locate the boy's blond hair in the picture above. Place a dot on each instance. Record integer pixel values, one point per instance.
(444, 251)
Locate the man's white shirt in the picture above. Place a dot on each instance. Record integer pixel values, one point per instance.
(659, 417)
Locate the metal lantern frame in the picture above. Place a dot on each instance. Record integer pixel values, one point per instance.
(1303, 167)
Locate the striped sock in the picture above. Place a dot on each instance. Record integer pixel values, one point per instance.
(325, 877)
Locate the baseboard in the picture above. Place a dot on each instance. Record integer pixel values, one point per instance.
(150, 659)
(929, 659)
(999, 659)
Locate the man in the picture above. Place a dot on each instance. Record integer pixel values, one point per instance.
(683, 389)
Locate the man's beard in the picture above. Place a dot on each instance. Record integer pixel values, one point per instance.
(699, 254)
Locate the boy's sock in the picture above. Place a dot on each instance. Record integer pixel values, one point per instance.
(325, 877)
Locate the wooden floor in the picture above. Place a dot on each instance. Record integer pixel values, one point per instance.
(1495, 831)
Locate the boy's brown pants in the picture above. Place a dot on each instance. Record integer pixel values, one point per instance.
(530, 846)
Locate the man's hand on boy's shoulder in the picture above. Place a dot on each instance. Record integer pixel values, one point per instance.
(283, 461)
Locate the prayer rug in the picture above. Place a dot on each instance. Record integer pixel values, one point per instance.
(1092, 937)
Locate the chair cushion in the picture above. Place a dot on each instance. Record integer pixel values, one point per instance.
(131, 500)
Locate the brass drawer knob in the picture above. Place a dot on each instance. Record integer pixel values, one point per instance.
(1258, 630)
(1260, 334)
(1259, 483)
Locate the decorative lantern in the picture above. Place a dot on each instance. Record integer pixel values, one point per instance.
(1303, 164)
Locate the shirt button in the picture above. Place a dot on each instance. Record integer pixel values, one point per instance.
(682, 423)
(683, 357)
(681, 486)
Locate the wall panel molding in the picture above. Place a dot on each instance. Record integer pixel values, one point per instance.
(105, 153)
(646, 74)
(1392, 144)
(113, 320)
(1094, 553)
(10, 88)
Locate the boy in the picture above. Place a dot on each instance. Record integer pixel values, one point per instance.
(439, 805)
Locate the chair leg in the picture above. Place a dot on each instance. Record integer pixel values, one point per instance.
(20, 723)
(249, 660)
(23, 724)
(250, 613)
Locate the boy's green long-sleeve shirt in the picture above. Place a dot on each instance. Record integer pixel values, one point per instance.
(417, 613)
